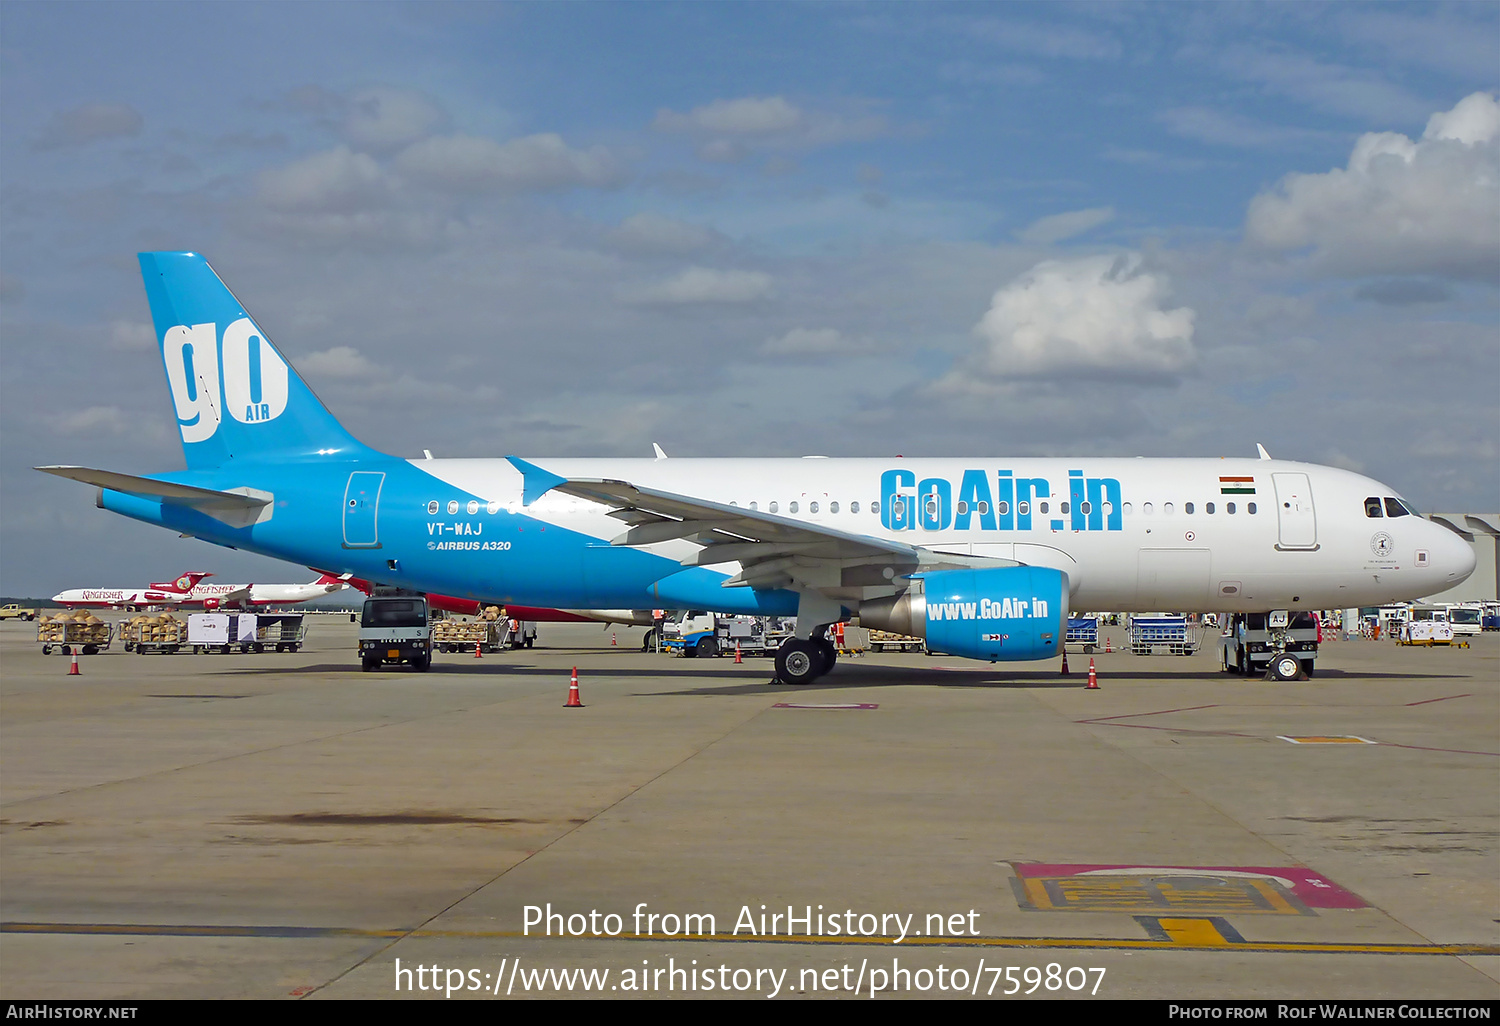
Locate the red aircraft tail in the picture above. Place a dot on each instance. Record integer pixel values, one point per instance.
(184, 584)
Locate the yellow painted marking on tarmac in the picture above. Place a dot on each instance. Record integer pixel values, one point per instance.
(1197, 933)
(1205, 895)
(1076, 943)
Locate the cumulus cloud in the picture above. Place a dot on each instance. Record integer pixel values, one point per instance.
(88, 123)
(702, 285)
(656, 233)
(382, 118)
(809, 342)
(471, 164)
(1080, 317)
(730, 126)
(132, 336)
(342, 362)
(337, 181)
(1058, 227)
(1399, 207)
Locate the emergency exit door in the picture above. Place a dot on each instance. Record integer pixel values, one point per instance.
(1297, 523)
(362, 510)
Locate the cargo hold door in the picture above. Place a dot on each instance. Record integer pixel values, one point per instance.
(1297, 523)
(362, 510)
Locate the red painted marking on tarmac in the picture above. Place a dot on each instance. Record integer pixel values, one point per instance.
(1159, 712)
(1425, 748)
(1443, 699)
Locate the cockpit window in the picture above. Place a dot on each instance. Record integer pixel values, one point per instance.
(1372, 507)
(1393, 508)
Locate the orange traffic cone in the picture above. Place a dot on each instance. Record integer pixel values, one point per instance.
(1093, 684)
(73, 670)
(477, 654)
(1107, 648)
(1065, 663)
(737, 658)
(573, 702)
(613, 643)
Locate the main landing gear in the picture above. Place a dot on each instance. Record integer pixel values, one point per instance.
(804, 660)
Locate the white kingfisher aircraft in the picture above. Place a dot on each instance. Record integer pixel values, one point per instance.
(982, 556)
(190, 592)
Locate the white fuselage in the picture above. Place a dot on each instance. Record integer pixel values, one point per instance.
(1132, 534)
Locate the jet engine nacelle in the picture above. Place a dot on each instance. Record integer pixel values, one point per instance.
(210, 604)
(1008, 613)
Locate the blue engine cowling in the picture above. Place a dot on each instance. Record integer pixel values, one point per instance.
(1001, 613)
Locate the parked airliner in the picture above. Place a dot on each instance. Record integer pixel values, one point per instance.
(191, 592)
(983, 557)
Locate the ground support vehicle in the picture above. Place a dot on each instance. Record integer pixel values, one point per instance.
(462, 635)
(164, 634)
(1253, 644)
(1466, 619)
(279, 632)
(395, 628)
(1426, 633)
(1083, 631)
(1150, 635)
(886, 641)
(1489, 620)
(82, 632)
(698, 633)
(16, 611)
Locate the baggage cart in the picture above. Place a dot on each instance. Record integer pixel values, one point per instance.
(79, 632)
(1083, 631)
(1152, 635)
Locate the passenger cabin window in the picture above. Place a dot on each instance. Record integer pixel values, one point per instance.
(792, 507)
(984, 508)
(833, 507)
(1372, 507)
(1002, 507)
(1063, 508)
(1393, 507)
(812, 507)
(875, 507)
(1187, 507)
(853, 507)
(772, 506)
(1208, 507)
(1228, 507)
(1250, 508)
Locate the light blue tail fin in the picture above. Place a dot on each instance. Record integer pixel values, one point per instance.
(236, 396)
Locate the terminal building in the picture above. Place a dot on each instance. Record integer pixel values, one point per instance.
(1481, 530)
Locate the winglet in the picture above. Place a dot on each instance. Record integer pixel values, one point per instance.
(536, 482)
(1262, 450)
(661, 453)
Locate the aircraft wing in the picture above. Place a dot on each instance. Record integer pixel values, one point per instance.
(238, 507)
(773, 551)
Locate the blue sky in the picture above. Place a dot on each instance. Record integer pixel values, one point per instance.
(758, 229)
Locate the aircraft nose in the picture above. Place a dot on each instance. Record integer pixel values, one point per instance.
(1454, 557)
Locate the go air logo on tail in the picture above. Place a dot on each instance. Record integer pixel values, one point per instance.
(988, 609)
(253, 374)
(1009, 504)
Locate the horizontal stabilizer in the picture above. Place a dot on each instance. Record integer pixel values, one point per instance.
(239, 507)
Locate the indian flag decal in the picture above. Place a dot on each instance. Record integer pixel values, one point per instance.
(1236, 486)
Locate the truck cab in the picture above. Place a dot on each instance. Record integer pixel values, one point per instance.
(1249, 641)
(395, 629)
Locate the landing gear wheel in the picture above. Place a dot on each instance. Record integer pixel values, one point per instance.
(797, 662)
(649, 641)
(828, 654)
(1286, 667)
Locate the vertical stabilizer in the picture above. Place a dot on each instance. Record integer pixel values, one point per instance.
(235, 395)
